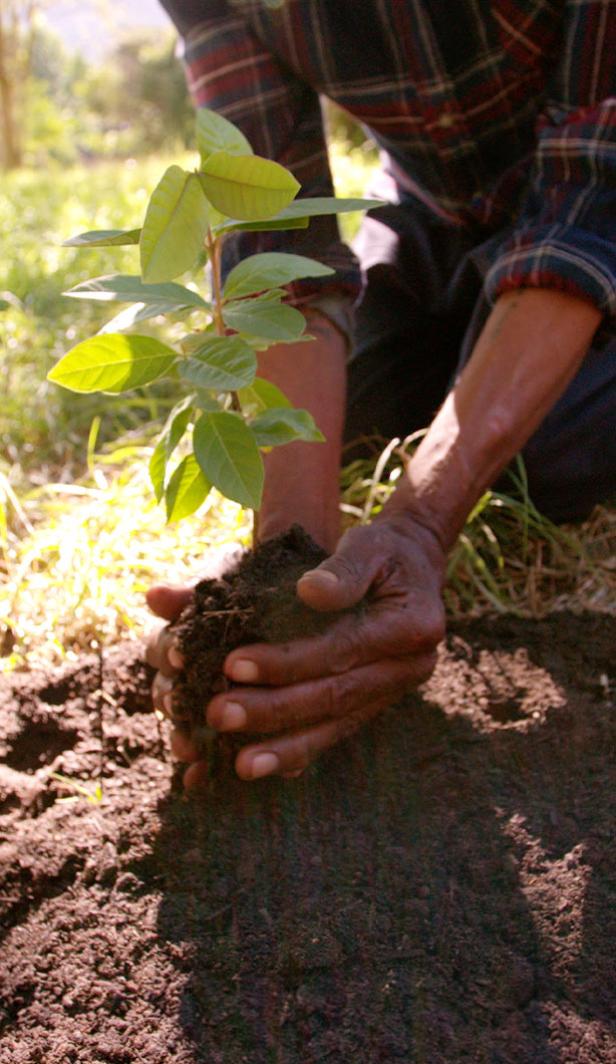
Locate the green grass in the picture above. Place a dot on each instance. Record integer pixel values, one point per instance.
(42, 427)
(509, 557)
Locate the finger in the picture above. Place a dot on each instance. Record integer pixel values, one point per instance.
(183, 747)
(162, 651)
(196, 778)
(413, 626)
(168, 601)
(277, 709)
(162, 694)
(293, 753)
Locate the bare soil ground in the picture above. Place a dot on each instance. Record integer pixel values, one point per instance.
(440, 889)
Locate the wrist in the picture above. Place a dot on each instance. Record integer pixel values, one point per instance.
(409, 522)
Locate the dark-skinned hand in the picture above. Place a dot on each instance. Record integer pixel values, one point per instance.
(305, 696)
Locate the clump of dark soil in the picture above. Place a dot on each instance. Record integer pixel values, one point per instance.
(438, 889)
(254, 602)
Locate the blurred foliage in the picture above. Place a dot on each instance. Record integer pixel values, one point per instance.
(342, 128)
(43, 428)
(66, 110)
(138, 102)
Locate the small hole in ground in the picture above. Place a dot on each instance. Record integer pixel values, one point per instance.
(39, 745)
(506, 711)
(54, 694)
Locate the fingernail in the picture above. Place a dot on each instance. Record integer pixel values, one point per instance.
(320, 576)
(233, 716)
(175, 658)
(263, 765)
(243, 671)
(168, 702)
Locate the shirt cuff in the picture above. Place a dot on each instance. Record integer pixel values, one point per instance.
(563, 257)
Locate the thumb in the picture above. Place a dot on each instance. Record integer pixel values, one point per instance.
(167, 601)
(343, 579)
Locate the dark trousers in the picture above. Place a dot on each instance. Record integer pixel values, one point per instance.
(421, 312)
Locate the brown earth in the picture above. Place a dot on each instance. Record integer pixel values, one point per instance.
(253, 601)
(440, 889)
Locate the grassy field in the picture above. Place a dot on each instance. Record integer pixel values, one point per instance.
(80, 535)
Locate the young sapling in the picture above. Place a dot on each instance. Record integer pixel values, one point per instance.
(227, 415)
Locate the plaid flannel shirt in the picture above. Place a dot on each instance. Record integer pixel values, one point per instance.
(498, 115)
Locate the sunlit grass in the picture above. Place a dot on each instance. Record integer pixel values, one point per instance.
(509, 557)
(42, 427)
(79, 558)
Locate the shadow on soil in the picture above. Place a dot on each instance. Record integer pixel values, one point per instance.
(436, 890)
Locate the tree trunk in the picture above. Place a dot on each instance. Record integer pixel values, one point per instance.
(10, 150)
(10, 146)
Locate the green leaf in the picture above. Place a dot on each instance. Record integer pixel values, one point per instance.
(228, 455)
(112, 363)
(317, 206)
(225, 363)
(176, 426)
(103, 238)
(186, 490)
(259, 396)
(277, 426)
(271, 269)
(247, 187)
(215, 133)
(122, 288)
(137, 312)
(298, 214)
(207, 400)
(175, 225)
(260, 227)
(265, 319)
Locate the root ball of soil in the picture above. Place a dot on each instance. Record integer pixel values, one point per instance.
(255, 602)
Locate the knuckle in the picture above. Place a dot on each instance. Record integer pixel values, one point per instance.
(348, 569)
(152, 648)
(342, 652)
(347, 726)
(426, 668)
(340, 695)
(433, 625)
(424, 628)
(161, 688)
(303, 752)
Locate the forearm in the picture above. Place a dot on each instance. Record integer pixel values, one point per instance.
(302, 479)
(530, 348)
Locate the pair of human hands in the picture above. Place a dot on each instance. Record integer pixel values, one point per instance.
(305, 696)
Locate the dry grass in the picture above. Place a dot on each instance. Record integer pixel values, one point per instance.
(509, 557)
(76, 560)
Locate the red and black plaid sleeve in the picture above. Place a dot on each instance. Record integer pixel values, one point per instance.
(565, 235)
(231, 70)
(498, 115)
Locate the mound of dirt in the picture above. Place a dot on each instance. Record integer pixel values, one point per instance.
(254, 601)
(438, 889)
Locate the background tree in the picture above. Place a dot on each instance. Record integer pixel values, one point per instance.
(17, 26)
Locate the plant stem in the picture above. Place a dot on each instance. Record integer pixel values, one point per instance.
(214, 249)
(213, 245)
